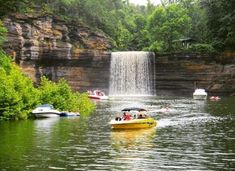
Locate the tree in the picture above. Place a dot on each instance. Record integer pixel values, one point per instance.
(10, 6)
(199, 30)
(167, 24)
(3, 32)
(140, 38)
(221, 19)
(17, 94)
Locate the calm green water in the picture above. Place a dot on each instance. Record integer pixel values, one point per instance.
(193, 135)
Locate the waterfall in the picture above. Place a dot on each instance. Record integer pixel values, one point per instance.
(132, 73)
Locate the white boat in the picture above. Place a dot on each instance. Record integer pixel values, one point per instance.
(97, 94)
(45, 111)
(200, 94)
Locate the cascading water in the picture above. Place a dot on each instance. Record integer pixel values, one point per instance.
(132, 73)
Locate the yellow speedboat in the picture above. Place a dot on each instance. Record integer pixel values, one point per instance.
(133, 120)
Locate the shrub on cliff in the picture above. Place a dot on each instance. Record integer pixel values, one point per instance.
(61, 97)
(202, 48)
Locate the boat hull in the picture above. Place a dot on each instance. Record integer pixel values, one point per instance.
(199, 97)
(46, 115)
(45, 111)
(69, 114)
(98, 97)
(134, 124)
(200, 94)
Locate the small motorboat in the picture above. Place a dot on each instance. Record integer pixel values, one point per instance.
(45, 111)
(200, 94)
(97, 94)
(214, 98)
(133, 118)
(69, 114)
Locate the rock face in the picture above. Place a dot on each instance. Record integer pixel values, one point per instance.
(180, 74)
(51, 47)
(48, 46)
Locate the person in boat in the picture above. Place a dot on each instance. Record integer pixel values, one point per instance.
(214, 98)
(142, 115)
(118, 118)
(89, 92)
(135, 116)
(98, 93)
(126, 116)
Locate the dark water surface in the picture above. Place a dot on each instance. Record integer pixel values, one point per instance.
(193, 135)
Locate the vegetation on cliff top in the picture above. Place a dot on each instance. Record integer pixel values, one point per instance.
(162, 28)
(208, 23)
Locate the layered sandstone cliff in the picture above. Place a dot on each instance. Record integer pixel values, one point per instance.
(179, 74)
(45, 45)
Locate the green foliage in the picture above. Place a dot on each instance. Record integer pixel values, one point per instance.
(85, 106)
(221, 22)
(156, 46)
(5, 62)
(61, 97)
(202, 48)
(3, 32)
(9, 6)
(199, 30)
(168, 24)
(17, 94)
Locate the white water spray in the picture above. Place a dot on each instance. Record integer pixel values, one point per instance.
(132, 73)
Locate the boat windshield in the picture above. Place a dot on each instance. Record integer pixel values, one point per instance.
(46, 106)
(134, 109)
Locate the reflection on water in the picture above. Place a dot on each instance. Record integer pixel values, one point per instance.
(132, 138)
(133, 148)
(45, 125)
(194, 135)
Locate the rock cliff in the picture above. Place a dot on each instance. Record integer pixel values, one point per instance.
(46, 45)
(178, 74)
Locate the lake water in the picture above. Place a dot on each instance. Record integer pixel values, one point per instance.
(192, 135)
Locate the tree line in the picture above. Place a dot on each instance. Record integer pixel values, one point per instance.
(208, 23)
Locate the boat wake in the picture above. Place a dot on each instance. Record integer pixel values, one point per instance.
(185, 121)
